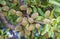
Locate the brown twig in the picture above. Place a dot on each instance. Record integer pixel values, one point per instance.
(6, 22)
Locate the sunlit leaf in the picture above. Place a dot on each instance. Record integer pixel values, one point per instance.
(45, 29)
(40, 18)
(58, 19)
(34, 8)
(54, 2)
(40, 12)
(52, 14)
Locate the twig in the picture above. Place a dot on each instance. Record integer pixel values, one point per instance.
(6, 22)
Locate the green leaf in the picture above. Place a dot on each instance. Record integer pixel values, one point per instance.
(52, 14)
(58, 19)
(39, 31)
(13, 5)
(42, 37)
(37, 1)
(45, 29)
(50, 32)
(36, 37)
(54, 22)
(58, 37)
(54, 2)
(44, 2)
(34, 9)
(40, 12)
(1, 1)
(8, 3)
(26, 1)
(58, 28)
(39, 18)
(57, 9)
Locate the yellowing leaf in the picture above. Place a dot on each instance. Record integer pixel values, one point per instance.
(52, 14)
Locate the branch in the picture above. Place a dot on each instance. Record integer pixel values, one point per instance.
(6, 22)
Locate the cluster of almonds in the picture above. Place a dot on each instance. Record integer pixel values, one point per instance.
(26, 18)
(29, 23)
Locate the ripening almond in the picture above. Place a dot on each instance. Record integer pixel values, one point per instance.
(24, 22)
(27, 33)
(33, 35)
(1, 37)
(5, 8)
(21, 33)
(16, 1)
(31, 27)
(29, 10)
(34, 15)
(6, 37)
(47, 13)
(23, 7)
(12, 11)
(30, 20)
(4, 13)
(37, 26)
(25, 18)
(3, 3)
(19, 13)
(46, 35)
(18, 28)
(19, 19)
(47, 21)
(56, 34)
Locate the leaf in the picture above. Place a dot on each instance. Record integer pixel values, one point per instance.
(34, 2)
(42, 37)
(8, 3)
(52, 14)
(45, 29)
(0, 8)
(39, 18)
(58, 28)
(54, 2)
(37, 1)
(1, 1)
(58, 37)
(13, 5)
(39, 31)
(58, 19)
(50, 32)
(36, 38)
(1, 37)
(54, 23)
(57, 9)
(44, 2)
(40, 12)
(26, 1)
(34, 9)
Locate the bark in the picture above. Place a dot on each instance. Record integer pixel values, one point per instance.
(6, 22)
